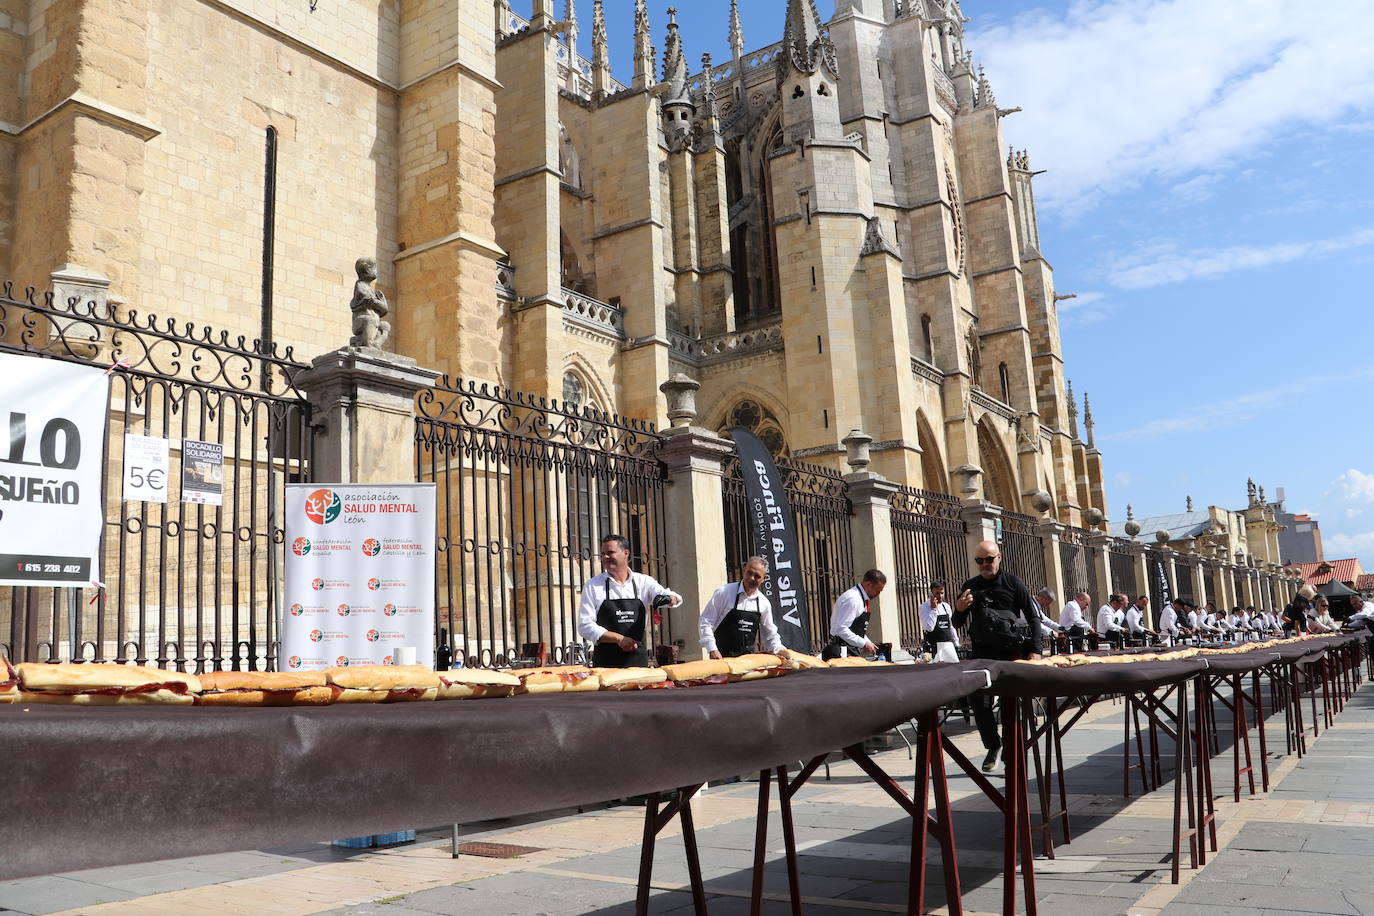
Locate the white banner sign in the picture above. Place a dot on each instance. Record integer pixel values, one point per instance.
(51, 458)
(359, 574)
(145, 468)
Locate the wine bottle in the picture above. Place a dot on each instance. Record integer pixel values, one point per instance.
(444, 661)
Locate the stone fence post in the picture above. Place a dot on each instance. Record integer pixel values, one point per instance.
(1049, 532)
(870, 531)
(1100, 546)
(364, 408)
(695, 507)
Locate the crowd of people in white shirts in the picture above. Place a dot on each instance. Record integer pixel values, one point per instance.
(1122, 622)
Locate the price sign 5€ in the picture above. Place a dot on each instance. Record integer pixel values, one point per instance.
(145, 469)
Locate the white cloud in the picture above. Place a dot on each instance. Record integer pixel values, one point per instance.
(1347, 514)
(1084, 309)
(1231, 412)
(1173, 264)
(1121, 91)
(1354, 486)
(1339, 546)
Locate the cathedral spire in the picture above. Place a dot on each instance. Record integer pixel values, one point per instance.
(674, 63)
(541, 14)
(736, 32)
(570, 19)
(1073, 412)
(710, 115)
(805, 44)
(1088, 419)
(985, 97)
(601, 52)
(644, 48)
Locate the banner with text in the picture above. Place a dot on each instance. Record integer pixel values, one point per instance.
(359, 574)
(774, 536)
(51, 465)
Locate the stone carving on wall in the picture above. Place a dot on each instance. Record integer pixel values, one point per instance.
(369, 308)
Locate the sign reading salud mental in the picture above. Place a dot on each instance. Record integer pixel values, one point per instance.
(52, 457)
(774, 537)
(359, 574)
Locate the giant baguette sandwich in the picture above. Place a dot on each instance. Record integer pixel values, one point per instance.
(564, 679)
(475, 684)
(9, 682)
(632, 678)
(853, 661)
(383, 683)
(104, 685)
(756, 666)
(695, 674)
(801, 659)
(265, 688)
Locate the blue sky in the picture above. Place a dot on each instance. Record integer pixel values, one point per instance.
(1209, 196)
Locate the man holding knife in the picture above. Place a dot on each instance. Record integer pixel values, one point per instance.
(614, 611)
(737, 614)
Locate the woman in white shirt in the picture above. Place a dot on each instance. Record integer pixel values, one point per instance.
(1323, 622)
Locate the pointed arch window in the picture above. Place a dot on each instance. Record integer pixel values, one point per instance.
(1004, 382)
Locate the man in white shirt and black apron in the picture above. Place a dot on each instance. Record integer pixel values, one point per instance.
(938, 621)
(738, 614)
(850, 618)
(614, 610)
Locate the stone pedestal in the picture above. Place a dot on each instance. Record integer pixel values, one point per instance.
(364, 412)
(1142, 581)
(871, 533)
(1098, 545)
(695, 521)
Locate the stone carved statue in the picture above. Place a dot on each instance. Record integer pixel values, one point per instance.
(369, 308)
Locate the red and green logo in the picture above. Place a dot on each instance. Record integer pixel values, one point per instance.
(323, 506)
(300, 546)
(317, 584)
(373, 636)
(389, 610)
(294, 661)
(372, 547)
(341, 661)
(297, 610)
(344, 610)
(316, 635)
(374, 584)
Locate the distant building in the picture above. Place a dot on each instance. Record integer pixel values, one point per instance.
(1348, 571)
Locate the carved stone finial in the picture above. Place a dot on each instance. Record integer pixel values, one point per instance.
(736, 31)
(369, 308)
(1190, 504)
(1088, 419)
(1162, 536)
(857, 443)
(681, 391)
(1261, 494)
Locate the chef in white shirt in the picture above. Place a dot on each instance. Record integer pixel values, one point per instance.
(738, 614)
(850, 616)
(1107, 625)
(937, 622)
(1169, 621)
(1240, 623)
(1073, 622)
(1361, 613)
(1044, 600)
(615, 608)
(1135, 620)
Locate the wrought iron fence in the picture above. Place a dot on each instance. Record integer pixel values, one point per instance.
(526, 489)
(1023, 552)
(929, 542)
(1076, 563)
(1209, 584)
(821, 510)
(1183, 577)
(189, 586)
(1121, 559)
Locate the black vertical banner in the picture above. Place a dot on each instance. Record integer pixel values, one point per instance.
(774, 536)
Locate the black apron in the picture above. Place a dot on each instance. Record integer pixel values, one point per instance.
(838, 648)
(738, 631)
(943, 630)
(625, 617)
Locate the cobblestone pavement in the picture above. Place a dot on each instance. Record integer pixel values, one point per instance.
(1306, 847)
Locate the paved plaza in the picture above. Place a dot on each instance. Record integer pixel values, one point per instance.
(1306, 847)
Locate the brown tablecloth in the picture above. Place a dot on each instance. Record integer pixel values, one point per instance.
(94, 787)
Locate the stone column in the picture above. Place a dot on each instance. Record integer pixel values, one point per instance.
(1247, 586)
(980, 524)
(695, 511)
(1054, 569)
(364, 400)
(871, 532)
(1197, 575)
(1097, 542)
(1142, 580)
(1167, 557)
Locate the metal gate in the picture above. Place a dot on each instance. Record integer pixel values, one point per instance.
(526, 490)
(188, 586)
(1023, 552)
(1076, 563)
(821, 510)
(1122, 560)
(930, 546)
